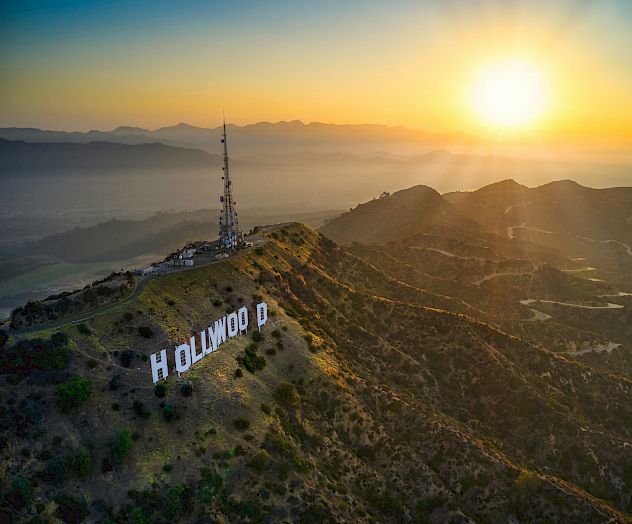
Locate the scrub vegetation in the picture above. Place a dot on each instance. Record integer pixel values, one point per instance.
(382, 402)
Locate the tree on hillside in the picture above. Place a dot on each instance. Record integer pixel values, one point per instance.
(73, 393)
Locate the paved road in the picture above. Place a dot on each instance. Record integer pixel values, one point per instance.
(165, 269)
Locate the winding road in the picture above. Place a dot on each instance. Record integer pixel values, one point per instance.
(610, 305)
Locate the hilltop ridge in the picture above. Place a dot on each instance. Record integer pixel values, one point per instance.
(502, 207)
(391, 216)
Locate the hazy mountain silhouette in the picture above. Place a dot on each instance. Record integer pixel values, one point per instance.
(65, 156)
(258, 138)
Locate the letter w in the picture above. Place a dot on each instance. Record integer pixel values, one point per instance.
(217, 335)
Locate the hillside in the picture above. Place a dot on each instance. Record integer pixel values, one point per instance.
(364, 398)
(583, 223)
(391, 217)
(563, 206)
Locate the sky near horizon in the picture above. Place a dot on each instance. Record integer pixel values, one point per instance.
(99, 64)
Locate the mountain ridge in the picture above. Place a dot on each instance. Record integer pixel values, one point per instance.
(499, 207)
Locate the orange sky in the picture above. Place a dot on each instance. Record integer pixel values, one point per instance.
(403, 63)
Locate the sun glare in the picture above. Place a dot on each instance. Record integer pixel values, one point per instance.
(509, 94)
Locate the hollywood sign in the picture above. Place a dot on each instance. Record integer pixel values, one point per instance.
(185, 355)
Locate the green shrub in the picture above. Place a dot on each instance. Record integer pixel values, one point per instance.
(435, 461)
(286, 393)
(213, 483)
(257, 336)
(160, 389)
(33, 355)
(266, 409)
(278, 445)
(170, 413)
(79, 462)
(241, 424)
(145, 331)
(120, 445)
(259, 460)
(71, 508)
(141, 410)
(126, 357)
(138, 516)
(252, 362)
(128, 316)
(467, 482)
(55, 470)
(527, 483)
(83, 329)
(73, 393)
(20, 493)
(186, 388)
(167, 468)
(175, 502)
(239, 373)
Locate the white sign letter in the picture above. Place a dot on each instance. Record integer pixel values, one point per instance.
(218, 334)
(262, 314)
(183, 358)
(196, 357)
(243, 318)
(232, 325)
(159, 368)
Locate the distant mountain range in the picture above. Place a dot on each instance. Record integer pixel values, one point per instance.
(263, 137)
(45, 157)
(322, 174)
(506, 208)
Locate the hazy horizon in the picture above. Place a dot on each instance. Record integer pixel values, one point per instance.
(152, 64)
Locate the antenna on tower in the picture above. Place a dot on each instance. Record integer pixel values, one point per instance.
(230, 236)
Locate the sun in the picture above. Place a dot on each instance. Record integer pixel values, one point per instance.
(509, 94)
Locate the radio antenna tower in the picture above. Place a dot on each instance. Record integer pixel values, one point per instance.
(230, 236)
